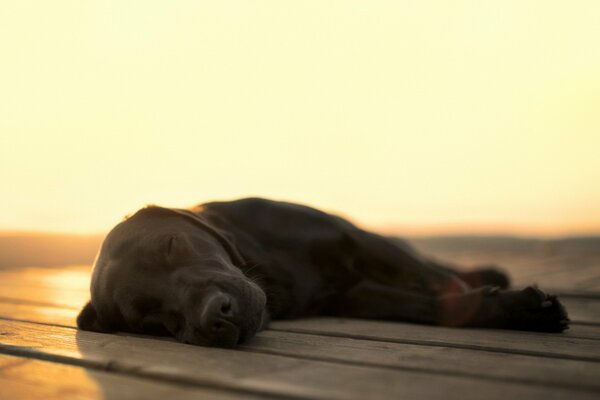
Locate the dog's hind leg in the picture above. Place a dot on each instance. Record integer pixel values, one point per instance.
(487, 307)
(406, 266)
(396, 264)
(374, 300)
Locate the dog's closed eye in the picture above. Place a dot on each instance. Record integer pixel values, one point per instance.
(146, 304)
(170, 244)
(173, 323)
(153, 324)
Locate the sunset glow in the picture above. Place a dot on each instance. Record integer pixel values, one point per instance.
(412, 117)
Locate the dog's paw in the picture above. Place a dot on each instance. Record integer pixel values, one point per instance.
(531, 309)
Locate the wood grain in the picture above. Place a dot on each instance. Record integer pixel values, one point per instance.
(26, 378)
(262, 374)
(527, 343)
(69, 289)
(42, 355)
(437, 359)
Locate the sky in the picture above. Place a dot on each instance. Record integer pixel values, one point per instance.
(410, 117)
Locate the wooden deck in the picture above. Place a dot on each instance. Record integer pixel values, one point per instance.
(43, 355)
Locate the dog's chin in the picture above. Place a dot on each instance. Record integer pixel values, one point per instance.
(265, 319)
(230, 332)
(260, 325)
(227, 342)
(229, 339)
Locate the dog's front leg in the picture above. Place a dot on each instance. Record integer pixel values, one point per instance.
(374, 300)
(489, 307)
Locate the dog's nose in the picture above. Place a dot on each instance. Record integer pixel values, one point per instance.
(216, 323)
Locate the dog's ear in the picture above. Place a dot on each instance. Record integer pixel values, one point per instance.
(88, 320)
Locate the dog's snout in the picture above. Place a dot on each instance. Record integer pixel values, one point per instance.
(216, 320)
(216, 306)
(225, 307)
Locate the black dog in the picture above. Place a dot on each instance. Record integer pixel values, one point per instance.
(215, 274)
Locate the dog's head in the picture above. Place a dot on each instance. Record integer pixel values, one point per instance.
(168, 272)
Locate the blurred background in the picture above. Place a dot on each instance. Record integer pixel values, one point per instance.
(417, 119)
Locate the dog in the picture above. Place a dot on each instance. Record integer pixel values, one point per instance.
(216, 274)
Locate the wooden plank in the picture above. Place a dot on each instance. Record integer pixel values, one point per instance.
(442, 360)
(492, 365)
(66, 317)
(580, 310)
(49, 296)
(526, 343)
(74, 277)
(41, 314)
(45, 296)
(69, 288)
(583, 331)
(557, 264)
(26, 378)
(563, 265)
(586, 310)
(263, 374)
(593, 286)
(582, 278)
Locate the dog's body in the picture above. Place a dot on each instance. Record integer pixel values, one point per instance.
(215, 274)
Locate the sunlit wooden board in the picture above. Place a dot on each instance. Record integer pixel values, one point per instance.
(73, 277)
(257, 372)
(27, 379)
(296, 355)
(579, 280)
(69, 288)
(531, 343)
(41, 314)
(580, 309)
(440, 359)
(583, 309)
(35, 308)
(45, 296)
